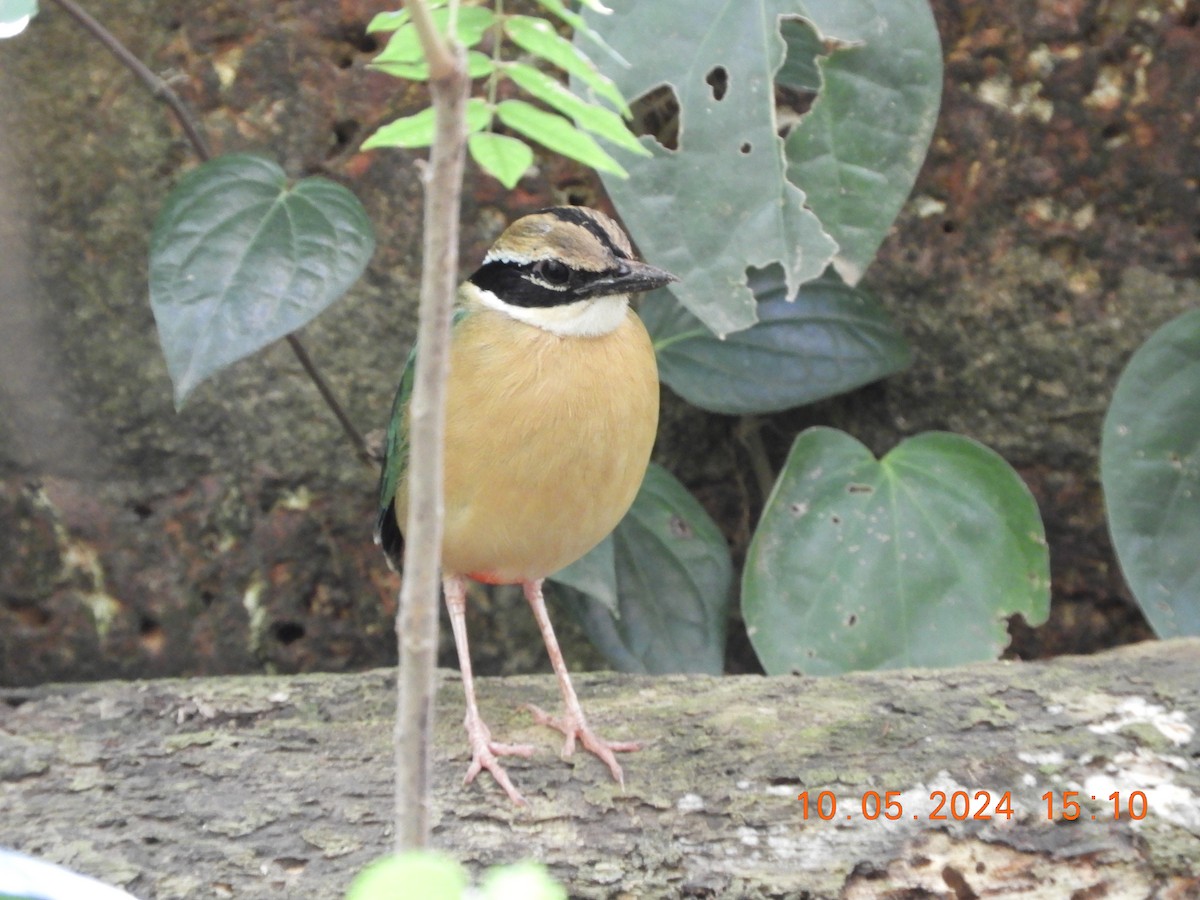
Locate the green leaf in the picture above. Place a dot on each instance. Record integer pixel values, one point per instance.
(913, 560)
(238, 259)
(857, 152)
(390, 21)
(673, 574)
(730, 165)
(479, 65)
(595, 575)
(799, 70)
(15, 16)
(504, 158)
(404, 46)
(581, 27)
(417, 130)
(521, 881)
(434, 876)
(829, 340)
(596, 119)
(537, 36)
(555, 134)
(1150, 470)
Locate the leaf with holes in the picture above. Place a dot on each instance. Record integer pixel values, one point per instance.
(1150, 470)
(722, 202)
(857, 152)
(239, 259)
(917, 559)
(672, 572)
(831, 339)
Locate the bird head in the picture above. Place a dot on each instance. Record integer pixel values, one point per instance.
(566, 269)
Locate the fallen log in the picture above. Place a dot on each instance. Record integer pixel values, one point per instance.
(954, 782)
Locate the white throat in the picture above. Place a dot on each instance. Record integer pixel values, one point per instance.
(593, 317)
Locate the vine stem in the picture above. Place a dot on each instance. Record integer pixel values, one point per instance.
(160, 90)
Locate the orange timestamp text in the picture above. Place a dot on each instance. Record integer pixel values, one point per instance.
(963, 806)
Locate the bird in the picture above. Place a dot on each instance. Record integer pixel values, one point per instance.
(551, 415)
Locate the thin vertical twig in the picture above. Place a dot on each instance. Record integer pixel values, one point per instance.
(191, 129)
(417, 618)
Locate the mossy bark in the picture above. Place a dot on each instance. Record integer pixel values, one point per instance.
(263, 787)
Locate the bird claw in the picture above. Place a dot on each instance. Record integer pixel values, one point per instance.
(484, 753)
(574, 725)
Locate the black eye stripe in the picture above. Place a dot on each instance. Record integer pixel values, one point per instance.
(513, 283)
(520, 285)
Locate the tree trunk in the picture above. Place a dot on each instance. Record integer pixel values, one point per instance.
(264, 787)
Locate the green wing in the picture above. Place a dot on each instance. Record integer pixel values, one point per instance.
(395, 461)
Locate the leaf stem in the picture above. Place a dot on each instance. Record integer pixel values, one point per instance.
(331, 401)
(493, 81)
(666, 342)
(749, 432)
(160, 90)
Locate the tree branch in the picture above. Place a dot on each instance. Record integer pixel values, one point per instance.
(275, 785)
(417, 618)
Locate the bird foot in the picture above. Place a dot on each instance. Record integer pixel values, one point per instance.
(484, 753)
(574, 725)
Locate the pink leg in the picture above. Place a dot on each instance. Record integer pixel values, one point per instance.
(573, 723)
(483, 749)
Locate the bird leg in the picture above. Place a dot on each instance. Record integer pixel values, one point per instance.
(483, 749)
(573, 723)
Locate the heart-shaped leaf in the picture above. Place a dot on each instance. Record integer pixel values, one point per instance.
(672, 574)
(829, 340)
(913, 560)
(1150, 469)
(238, 259)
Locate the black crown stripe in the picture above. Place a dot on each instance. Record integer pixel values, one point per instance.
(578, 216)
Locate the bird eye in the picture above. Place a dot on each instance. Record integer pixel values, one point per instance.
(552, 271)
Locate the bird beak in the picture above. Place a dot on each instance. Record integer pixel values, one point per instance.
(631, 277)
